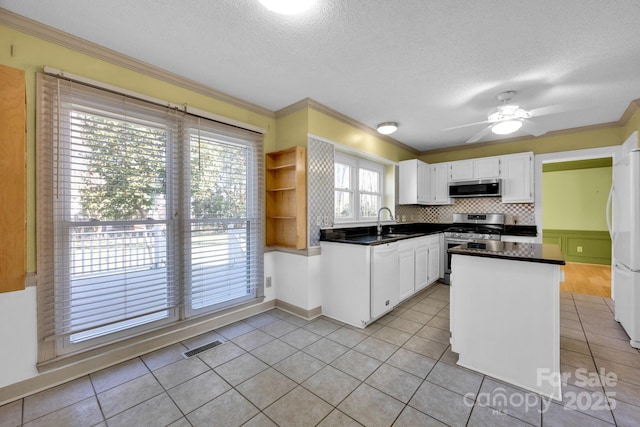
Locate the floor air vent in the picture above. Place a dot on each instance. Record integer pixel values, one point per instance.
(202, 348)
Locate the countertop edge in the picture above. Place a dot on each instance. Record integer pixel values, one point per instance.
(351, 241)
(533, 252)
(507, 257)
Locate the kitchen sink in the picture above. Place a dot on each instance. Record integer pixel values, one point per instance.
(399, 235)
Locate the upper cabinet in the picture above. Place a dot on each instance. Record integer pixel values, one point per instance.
(439, 183)
(517, 178)
(486, 168)
(461, 170)
(483, 168)
(286, 200)
(413, 183)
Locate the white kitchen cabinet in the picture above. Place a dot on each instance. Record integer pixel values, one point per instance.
(439, 180)
(421, 262)
(407, 264)
(384, 278)
(517, 178)
(428, 253)
(486, 168)
(413, 183)
(433, 255)
(481, 168)
(443, 256)
(461, 170)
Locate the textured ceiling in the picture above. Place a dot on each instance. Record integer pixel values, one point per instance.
(426, 64)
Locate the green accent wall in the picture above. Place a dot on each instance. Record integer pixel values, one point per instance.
(606, 162)
(575, 199)
(592, 247)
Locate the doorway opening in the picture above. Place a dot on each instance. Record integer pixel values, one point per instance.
(574, 203)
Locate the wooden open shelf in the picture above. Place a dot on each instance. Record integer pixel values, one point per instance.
(286, 200)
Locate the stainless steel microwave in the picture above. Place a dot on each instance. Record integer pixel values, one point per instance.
(477, 188)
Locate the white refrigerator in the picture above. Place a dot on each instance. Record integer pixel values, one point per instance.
(625, 236)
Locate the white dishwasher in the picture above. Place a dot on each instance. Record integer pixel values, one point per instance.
(384, 278)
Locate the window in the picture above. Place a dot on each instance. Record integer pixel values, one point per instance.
(146, 215)
(358, 188)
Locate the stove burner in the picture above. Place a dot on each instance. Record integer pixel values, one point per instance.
(473, 229)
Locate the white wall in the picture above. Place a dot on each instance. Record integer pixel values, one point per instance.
(18, 336)
(297, 279)
(270, 271)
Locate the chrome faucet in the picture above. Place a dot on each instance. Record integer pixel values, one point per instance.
(379, 226)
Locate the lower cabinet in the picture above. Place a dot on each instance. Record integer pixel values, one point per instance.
(362, 283)
(407, 274)
(434, 252)
(419, 264)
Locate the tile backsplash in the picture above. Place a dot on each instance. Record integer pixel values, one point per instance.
(522, 213)
(320, 179)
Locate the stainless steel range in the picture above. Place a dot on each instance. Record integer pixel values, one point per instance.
(475, 228)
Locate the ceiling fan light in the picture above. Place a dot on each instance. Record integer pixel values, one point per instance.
(287, 7)
(387, 128)
(506, 127)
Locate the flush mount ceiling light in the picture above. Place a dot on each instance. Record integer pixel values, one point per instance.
(387, 128)
(506, 127)
(288, 7)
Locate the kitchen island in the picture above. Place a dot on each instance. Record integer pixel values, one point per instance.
(505, 312)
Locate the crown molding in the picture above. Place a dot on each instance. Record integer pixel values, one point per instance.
(631, 109)
(297, 106)
(315, 105)
(50, 34)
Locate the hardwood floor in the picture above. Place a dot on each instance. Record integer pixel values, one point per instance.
(588, 279)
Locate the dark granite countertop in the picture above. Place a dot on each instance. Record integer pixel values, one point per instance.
(532, 252)
(520, 230)
(390, 233)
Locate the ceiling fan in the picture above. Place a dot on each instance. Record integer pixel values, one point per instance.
(505, 119)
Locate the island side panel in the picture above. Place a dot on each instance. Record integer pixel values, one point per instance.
(505, 320)
(346, 291)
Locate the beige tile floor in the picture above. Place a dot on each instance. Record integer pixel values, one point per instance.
(277, 369)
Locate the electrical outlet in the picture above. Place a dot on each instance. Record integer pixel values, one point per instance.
(579, 249)
(267, 282)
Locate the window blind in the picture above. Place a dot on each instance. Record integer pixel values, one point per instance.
(146, 215)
